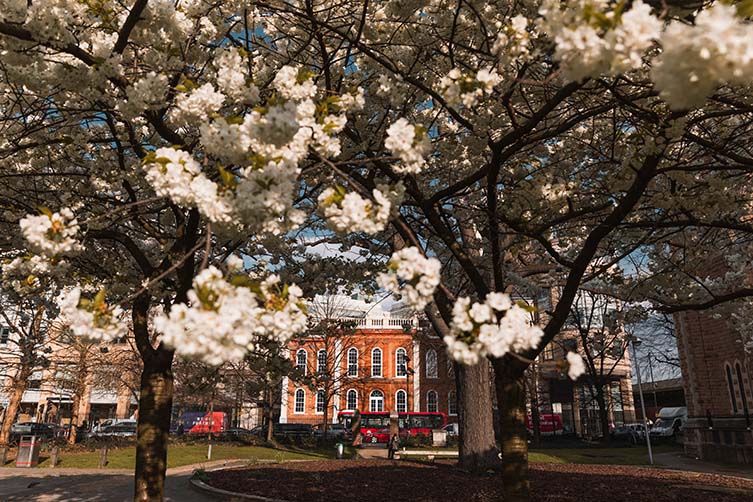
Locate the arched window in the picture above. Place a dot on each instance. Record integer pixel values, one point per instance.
(376, 401)
(300, 360)
(431, 363)
(300, 401)
(320, 401)
(352, 400)
(452, 403)
(401, 362)
(741, 386)
(401, 401)
(352, 362)
(321, 361)
(376, 362)
(731, 386)
(431, 401)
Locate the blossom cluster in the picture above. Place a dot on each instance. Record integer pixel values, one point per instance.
(493, 328)
(459, 88)
(695, 59)
(349, 212)
(228, 314)
(265, 147)
(93, 318)
(575, 365)
(412, 276)
(595, 37)
(410, 143)
(51, 234)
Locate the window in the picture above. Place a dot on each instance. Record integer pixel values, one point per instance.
(731, 386)
(35, 381)
(300, 401)
(401, 363)
(376, 362)
(300, 360)
(401, 401)
(352, 362)
(4, 335)
(376, 401)
(452, 403)
(741, 385)
(351, 400)
(431, 363)
(320, 401)
(321, 361)
(450, 367)
(431, 401)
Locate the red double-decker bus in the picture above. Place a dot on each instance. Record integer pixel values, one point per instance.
(375, 426)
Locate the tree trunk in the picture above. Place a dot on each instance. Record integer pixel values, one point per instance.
(535, 415)
(603, 414)
(478, 450)
(155, 406)
(19, 387)
(270, 413)
(511, 398)
(355, 428)
(74, 418)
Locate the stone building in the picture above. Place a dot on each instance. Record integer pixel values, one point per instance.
(387, 363)
(717, 373)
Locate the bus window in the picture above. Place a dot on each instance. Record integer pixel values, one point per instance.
(436, 421)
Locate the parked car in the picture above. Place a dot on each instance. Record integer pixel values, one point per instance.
(670, 422)
(630, 433)
(119, 430)
(293, 430)
(452, 430)
(46, 430)
(110, 421)
(334, 431)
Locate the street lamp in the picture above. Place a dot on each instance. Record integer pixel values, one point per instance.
(636, 342)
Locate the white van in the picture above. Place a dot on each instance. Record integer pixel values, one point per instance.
(110, 421)
(670, 421)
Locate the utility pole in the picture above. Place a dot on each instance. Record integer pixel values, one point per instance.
(637, 342)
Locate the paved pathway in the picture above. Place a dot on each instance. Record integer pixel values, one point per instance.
(90, 485)
(369, 451)
(678, 461)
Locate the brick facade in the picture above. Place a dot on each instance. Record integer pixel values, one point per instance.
(717, 375)
(428, 374)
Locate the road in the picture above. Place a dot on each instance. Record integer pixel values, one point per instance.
(79, 485)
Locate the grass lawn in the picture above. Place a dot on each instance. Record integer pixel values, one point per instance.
(635, 455)
(177, 455)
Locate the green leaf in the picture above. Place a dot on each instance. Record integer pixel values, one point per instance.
(45, 211)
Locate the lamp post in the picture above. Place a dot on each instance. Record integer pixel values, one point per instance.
(636, 342)
(653, 382)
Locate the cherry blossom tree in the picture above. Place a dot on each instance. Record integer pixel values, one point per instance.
(151, 147)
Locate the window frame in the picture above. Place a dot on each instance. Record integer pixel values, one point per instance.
(5, 334)
(380, 398)
(347, 399)
(351, 365)
(405, 401)
(302, 367)
(303, 402)
(404, 365)
(376, 350)
(430, 393)
(432, 354)
(452, 399)
(319, 403)
(319, 369)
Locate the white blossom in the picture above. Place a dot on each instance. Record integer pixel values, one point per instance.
(412, 276)
(51, 234)
(576, 366)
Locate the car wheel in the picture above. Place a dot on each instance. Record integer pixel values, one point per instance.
(374, 439)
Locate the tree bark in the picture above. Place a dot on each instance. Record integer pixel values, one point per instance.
(478, 449)
(511, 398)
(603, 414)
(19, 387)
(535, 415)
(270, 413)
(155, 405)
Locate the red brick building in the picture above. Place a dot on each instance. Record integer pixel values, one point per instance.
(389, 363)
(718, 374)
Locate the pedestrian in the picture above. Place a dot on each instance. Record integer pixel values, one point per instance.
(392, 446)
(181, 429)
(84, 425)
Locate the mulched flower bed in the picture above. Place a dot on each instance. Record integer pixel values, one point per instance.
(385, 481)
